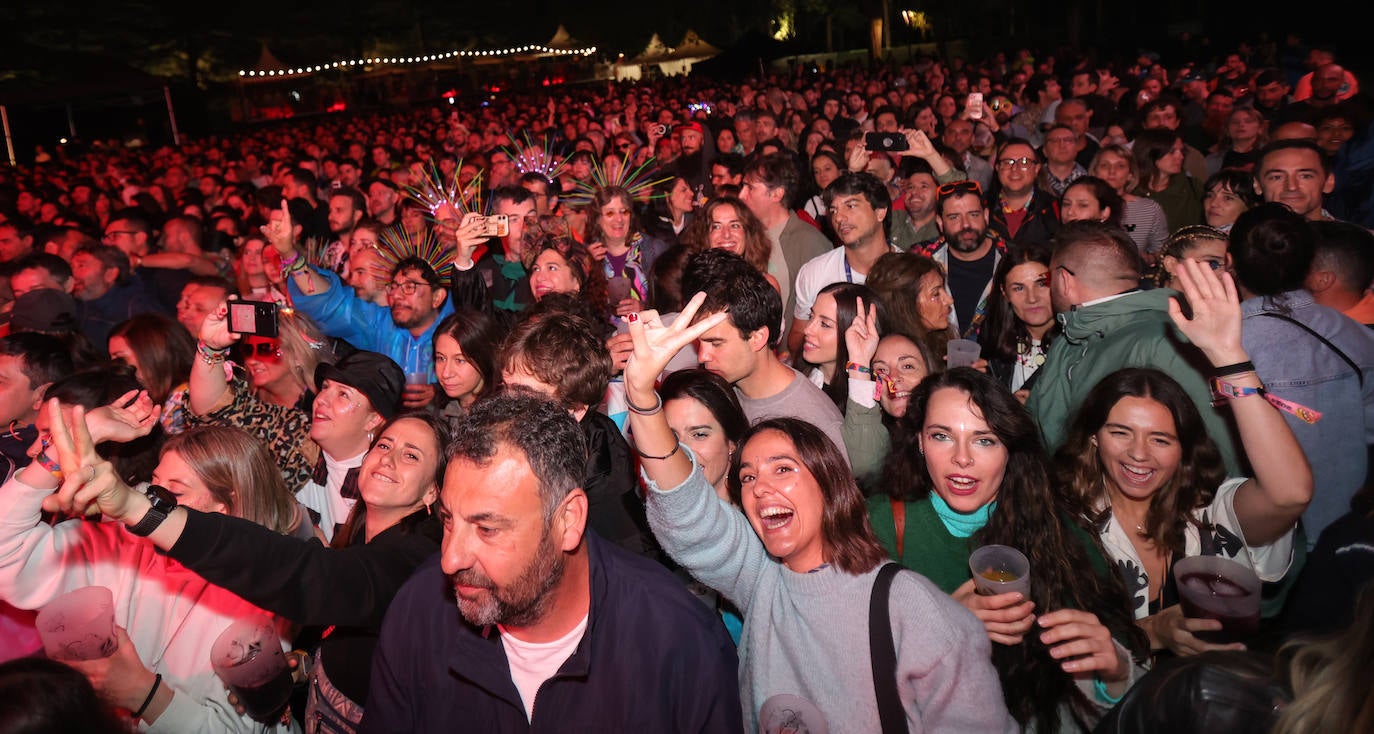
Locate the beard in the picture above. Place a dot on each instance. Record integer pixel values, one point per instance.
(520, 603)
(968, 240)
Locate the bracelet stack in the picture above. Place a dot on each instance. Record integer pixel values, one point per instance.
(210, 355)
(658, 405)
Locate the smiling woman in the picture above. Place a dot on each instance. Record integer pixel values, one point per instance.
(799, 556)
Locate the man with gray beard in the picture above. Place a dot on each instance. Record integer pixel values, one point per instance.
(549, 619)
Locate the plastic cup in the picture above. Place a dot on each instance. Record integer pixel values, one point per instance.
(1000, 569)
(248, 657)
(962, 353)
(417, 378)
(1212, 587)
(79, 625)
(617, 288)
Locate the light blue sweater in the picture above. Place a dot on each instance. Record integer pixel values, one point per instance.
(806, 634)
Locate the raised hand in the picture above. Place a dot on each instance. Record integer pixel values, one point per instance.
(1215, 325)
(862, 337)
(858, 159)
(655, 344)
(918, 144)
(214, 331)
(130, 416)
(89, 483)
(280, 231)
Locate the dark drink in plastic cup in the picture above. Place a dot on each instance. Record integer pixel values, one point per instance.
(1211, 587)
(266, 702)
(248, 657)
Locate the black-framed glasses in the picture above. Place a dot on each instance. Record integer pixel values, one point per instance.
(406, 287)
(959, 188)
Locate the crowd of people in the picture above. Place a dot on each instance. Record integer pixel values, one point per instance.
(647, 405)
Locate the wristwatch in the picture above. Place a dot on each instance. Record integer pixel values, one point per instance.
(163, 502)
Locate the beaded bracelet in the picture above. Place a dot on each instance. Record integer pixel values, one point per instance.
(856, 367)
(210, 355)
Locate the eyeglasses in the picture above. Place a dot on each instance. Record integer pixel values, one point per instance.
(1023, 162)
(406, 287)
(111, 234)
(1066, 269)
(959, 188)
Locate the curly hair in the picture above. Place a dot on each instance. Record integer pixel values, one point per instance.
(1078, 466)
(755, 246)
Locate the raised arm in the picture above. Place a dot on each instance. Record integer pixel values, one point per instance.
(1269, 503)
(209, 383)
(281, 233)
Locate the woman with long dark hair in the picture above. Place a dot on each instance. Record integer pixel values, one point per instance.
(1150, 480)
(1159, 154)
(466, 343)
(1021, 321)
(799, 556)
(969, 470)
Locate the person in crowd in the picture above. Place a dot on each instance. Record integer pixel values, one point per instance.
(160, 352)
(859, 207)
(281, 369)
(1109, 324)
(1142, 218)
(346, 587)
(1343, 269)
(545, 605)
(166, 618)
(626, 253)
(1307, 354)
(1295, 173)
(826, 166)
(926, 317)
(1061, 159)
(1021, 324)
(771, 184)
(417, 296)
(671, 209)
(900, 362)
(743, 349)
(1152, 482)
(1226, 194)
(969, 470)
(1246, 133)
(561, 265)
(1092, 199)
(725, 222)
(29, 363)
(199, 298)
(1019, 208)
(496, 281)
(251, 271)
(968, 252)
(466, 345)
(109, 293)
(801, 543)
(1206, 244)
(1159, 156)
(563, 356)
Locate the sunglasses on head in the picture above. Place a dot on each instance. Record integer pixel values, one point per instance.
(959, 188)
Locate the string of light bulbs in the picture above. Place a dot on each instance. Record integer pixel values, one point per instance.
(426, 58)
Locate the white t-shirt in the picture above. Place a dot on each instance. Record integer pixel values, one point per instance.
(532, 663)
(819, 272)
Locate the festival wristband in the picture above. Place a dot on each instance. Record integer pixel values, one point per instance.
(1303, 413)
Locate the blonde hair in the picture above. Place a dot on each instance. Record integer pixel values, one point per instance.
(240, 473)
(1330, 676)
(303, 345)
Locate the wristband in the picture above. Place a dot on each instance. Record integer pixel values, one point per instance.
(1100, 690)
(664, 457)
(288, 260)
(1303, 413)
(658, 405)
(46, 462)
(856, 367)
(210, 355)
(1233, 369)
(157, 682)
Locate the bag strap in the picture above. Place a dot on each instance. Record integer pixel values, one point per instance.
(1359, 374)
(884, 653)
(899, 522)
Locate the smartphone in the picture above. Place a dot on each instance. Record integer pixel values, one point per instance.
(496, 225)
(253, 318)
(974, 105)
(885, 141)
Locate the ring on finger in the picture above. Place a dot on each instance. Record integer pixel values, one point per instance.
(91, 478)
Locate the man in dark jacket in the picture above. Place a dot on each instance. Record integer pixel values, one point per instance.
(555, 629)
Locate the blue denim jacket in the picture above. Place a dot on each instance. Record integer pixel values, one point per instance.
(1295, 365)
